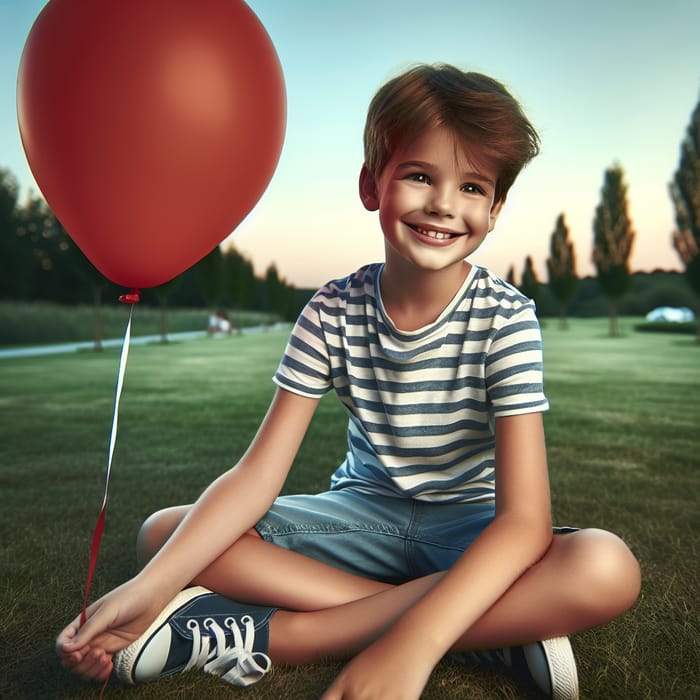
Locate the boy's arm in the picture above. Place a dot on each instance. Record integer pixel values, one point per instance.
(235, 501)
(517, 538)
(227, 509)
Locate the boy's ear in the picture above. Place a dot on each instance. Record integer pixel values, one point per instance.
(368, 190)
(496, 209)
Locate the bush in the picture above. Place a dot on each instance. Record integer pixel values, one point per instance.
(690, 328)
(640, 302)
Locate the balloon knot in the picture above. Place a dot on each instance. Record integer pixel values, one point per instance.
(133, 297)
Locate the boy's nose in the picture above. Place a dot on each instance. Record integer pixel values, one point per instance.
(440, 204)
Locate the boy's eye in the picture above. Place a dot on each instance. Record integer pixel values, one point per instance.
(472, 188)
(419, 177)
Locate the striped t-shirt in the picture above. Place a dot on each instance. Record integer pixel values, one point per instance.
(421, 404)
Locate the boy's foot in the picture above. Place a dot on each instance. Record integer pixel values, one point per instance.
(200, 629)
(549, 665)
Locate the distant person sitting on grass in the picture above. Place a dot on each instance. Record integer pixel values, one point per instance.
(436, 535)
(219, 324)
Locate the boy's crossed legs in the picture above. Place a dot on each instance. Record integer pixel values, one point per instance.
(586, 578)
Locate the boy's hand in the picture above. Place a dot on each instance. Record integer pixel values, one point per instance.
(386, 670)
(113, 622)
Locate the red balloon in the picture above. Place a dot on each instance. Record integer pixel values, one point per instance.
(152, 127)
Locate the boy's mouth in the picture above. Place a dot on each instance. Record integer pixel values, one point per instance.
(435, 234)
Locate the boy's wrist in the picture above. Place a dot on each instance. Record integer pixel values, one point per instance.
(157, 583)
(411, 636)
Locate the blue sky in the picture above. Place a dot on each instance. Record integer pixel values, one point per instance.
(604, 82)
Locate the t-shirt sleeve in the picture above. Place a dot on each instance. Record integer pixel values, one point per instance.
(514, 368)
(305, 365)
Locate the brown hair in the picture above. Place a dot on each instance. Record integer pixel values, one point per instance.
(477, 108)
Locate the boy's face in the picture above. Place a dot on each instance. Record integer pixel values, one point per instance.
(435, 206)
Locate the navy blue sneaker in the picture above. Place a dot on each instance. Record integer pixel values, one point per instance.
(549, 665)
(200, 629)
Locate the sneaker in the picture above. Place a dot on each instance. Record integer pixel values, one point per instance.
(549, 665)
(200, 629)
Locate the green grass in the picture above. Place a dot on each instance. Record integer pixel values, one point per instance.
(623, 448)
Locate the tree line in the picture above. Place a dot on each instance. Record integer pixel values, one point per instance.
(39, 261)
(613, 236)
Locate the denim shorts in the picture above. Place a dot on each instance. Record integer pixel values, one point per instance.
(379, 537)
(383, 538)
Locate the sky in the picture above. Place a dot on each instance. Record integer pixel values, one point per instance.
(603, 82)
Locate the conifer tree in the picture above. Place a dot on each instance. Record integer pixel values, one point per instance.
(163, 291)
(210, 276)
(685, 192)
(12, 251)
(529, 284)
(73, 263)
(278, 294)
(510, 277)
(242, 285)
(612, 241)
(561, 267)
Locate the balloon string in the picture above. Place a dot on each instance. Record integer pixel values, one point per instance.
(99, 527)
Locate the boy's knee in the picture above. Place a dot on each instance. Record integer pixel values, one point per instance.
(156, 530)
(610, 573)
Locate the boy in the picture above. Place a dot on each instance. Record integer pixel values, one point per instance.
(436, 534)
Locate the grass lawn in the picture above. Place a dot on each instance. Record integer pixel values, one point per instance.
(623, 445)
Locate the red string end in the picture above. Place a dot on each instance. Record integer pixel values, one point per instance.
(96, 538)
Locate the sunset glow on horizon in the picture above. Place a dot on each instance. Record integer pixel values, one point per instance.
(604, 83)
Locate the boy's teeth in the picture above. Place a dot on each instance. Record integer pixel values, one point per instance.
(435, 234)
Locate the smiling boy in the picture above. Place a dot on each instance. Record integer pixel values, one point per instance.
(435, 209)
(435, 535)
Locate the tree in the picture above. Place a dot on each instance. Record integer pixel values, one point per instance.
(38, 260)
(612, 241)
(43, 274)
(210, 274)
(15, 257)
(280, 297)
(163, 291)
(529, 284)
(685, 193)
(242, 284)
(510, 277)
(275, 292)
(74, 264)
(561, 267)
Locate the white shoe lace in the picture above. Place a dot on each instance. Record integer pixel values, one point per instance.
(237, 664)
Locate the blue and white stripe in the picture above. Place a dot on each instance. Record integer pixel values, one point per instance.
(422, 404)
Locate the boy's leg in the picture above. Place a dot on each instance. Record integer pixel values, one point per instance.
(259, 572)
(585, 579)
